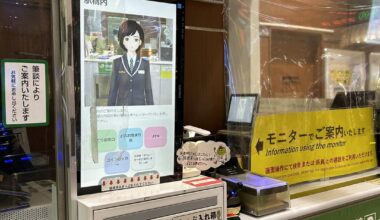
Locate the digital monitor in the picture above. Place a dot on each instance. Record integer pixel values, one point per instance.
(128, 73)
(242, 108)
(373, 35)
(353, 99)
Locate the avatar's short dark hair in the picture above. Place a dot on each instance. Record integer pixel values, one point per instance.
(128, 28)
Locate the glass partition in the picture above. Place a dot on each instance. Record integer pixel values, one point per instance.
(28, 169)
(315, 67)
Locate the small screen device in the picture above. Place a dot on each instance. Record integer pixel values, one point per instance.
(242, 110)
(240, 122)
(353, 99)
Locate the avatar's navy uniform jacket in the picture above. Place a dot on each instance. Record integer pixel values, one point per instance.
(130, 87)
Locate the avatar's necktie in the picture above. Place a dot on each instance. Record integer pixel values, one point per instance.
(131, 64)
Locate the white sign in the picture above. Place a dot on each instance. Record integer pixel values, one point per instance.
(203, 155)
(24, 92)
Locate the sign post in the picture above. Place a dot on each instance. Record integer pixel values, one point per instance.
(24, 93)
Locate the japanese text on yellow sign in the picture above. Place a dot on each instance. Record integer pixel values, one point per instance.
(298, 147)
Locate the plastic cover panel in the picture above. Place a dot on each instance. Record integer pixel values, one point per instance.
(301, 57)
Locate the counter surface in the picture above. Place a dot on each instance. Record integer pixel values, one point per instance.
(327, 200)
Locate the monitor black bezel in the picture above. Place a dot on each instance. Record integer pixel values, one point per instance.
(254, 110)
(353, 99)
(180, 5)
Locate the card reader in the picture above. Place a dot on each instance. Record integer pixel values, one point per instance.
(259, 195)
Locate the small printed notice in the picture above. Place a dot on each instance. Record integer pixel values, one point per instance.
(123, 182)
(203, 155)
(24, 92)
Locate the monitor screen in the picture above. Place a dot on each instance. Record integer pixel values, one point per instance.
(353, 99)
(242, 108)
(128, 74)
(373, 24)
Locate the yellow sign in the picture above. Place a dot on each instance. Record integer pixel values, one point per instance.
(340, 77)
(298, 147)
(166, 72)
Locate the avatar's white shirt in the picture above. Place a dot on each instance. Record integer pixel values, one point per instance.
(133, 58)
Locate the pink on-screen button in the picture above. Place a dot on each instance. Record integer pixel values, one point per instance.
(155, 137)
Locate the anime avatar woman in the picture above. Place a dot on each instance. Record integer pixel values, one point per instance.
(130, 81)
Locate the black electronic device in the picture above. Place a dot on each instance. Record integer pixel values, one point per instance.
(5, 149)
(162, 119)
(232, 167)
(242, 111)
(10, 164)
(7, 138)
(353, 99)
(259, 195)
(240, 121)
(233, 204)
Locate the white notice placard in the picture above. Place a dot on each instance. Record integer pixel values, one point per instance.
(24, 92)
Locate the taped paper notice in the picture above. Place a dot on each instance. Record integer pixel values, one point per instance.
(203, 155)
